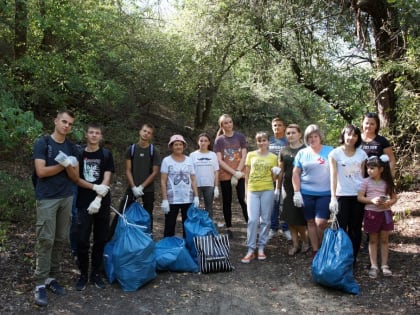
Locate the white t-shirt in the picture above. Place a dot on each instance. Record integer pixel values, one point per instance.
(349, 171)
(205, 166)
(178, 185)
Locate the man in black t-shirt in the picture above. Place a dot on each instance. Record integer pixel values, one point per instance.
(93, 205)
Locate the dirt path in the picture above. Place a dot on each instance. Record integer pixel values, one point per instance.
(281, 284)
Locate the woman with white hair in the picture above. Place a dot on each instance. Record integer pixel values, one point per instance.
(311, 184)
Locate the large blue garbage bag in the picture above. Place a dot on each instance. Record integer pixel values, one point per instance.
(108, 261)
(135, 214)
(333, 264)
(198, 223)
(172, 254)
(133, 257)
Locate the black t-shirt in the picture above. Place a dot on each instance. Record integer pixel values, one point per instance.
(59, 185)
(376, 146)
(92, 167)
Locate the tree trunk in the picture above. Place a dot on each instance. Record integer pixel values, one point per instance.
(21, 28)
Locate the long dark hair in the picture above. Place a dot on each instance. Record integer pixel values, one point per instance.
(386, 175)
(351, 129)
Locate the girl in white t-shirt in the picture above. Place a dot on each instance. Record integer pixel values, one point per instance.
(206, 169)
(178, 184)
(378, 194)
(347, 163)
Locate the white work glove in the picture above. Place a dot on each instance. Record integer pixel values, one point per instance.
(333, 205)
(73, 161)
(137, 191)
(101, 189)
(196, 202)
(216, 192)
(238, 175)
(95, 205)
(165, 206)
(276, 170)
(63, 159)
(234, 181)
(297, 199)
(277, 194)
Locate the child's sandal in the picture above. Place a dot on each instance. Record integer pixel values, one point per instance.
(386, 271)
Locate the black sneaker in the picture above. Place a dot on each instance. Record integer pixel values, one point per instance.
(81, 283)
(41, 296)
(55, 288)
(97, 281)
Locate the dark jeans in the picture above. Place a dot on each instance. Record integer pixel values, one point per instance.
(208, 196)
(171, 217)
(227, 200)
(99, 223)
(73, 226)
(350, 218)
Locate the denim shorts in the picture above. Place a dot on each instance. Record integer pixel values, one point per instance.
(376, 221)
(316, 207)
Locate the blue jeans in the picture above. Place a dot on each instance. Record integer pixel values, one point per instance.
(208, 196)
(275, 222)
(73, 226)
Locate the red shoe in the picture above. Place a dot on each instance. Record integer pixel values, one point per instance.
(247, 259)
(262, 256)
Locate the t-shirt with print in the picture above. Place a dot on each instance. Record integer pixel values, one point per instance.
(376, 146)
(59, 185)
(349, 171)
(372, 189)
(315, 171)
(260, 178)
(178, 184)
(92, 167)
(276, 144)
(143, 165)
(231, 150)
(205, 166)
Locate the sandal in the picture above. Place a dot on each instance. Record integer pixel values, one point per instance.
(247, 259)
(305, 247)
(292, 251)
(261, 256)
(373, 272)
(386, 271)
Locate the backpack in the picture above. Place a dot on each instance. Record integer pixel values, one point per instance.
(151, 152)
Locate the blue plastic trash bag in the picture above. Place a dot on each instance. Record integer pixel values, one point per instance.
(133, 257)
(333, 264)
(108, 262)
(198, 223)
(172, 254)
(135, 214)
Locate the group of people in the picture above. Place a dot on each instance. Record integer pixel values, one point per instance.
(300, 182)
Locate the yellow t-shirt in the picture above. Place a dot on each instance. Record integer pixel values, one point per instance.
(260, 170)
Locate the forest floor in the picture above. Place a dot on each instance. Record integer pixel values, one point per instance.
(281, 284)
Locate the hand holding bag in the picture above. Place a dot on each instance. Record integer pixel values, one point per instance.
(333, 264)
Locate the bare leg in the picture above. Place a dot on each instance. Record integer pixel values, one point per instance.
(373, 249)
(384, 239)
(313, 235)
(321, 225)
(294, 233)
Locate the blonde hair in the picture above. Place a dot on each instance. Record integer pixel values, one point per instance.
(220, 131)
(310, 130)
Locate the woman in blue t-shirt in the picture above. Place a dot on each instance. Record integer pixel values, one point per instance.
(311, 184)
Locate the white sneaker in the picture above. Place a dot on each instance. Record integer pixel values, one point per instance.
(220, 224)
(271, 234)
(287, 235)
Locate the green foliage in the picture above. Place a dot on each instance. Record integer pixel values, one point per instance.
(17, 199)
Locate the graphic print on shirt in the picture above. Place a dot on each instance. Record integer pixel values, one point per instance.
(232, 154)
(179, 183)
(91, 169)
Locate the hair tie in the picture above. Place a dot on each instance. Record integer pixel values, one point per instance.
(384, 158)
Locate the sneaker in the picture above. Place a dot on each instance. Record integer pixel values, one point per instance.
(305, 247)
(287, 235)
(55, 288)
(261, 256)
(81, 283)
(386, 271)
(41, 296)
(97, 281)
(247, 259)
(230, 234)
(373, 272)
(271, 234)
